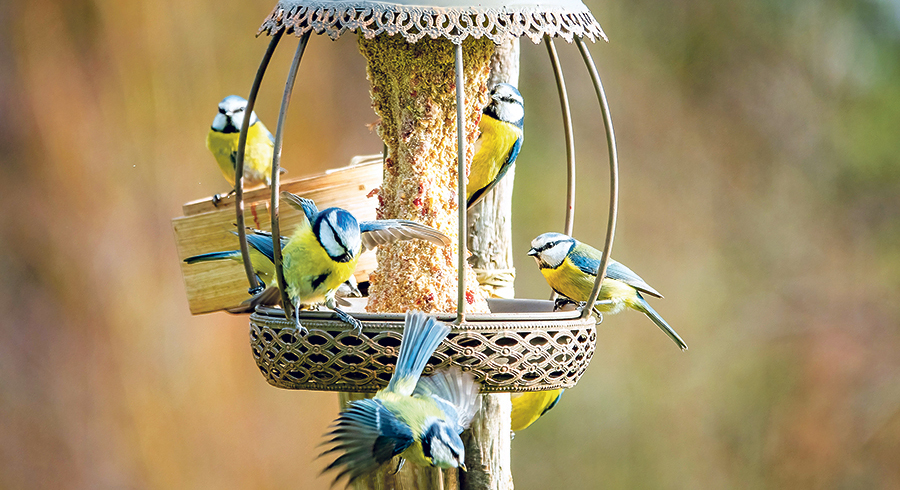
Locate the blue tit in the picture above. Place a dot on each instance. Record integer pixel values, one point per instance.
(323, 251)
(419, 419)
(501, 127)
(222, 141)
(530, 406)
(570, 268)
(261, 257)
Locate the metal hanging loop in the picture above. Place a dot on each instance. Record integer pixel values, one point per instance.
(255, 287)
(613, 174)
(460, 185)
(276, 171)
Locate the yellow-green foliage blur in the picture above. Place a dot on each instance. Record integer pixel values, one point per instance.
(760, 194)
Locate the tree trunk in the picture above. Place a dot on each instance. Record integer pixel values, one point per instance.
(490, 242)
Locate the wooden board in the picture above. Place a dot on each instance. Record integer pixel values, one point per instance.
(222, 284)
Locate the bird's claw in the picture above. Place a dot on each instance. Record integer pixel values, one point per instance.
(346, 318)
(561, 302)
(399, 465)
(216, 199)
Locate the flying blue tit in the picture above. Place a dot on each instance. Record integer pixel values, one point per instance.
(419, 419)
(498, 146)
(530, 406)
(222, 141)
(323, 251)
(261, 257)
(570, 268)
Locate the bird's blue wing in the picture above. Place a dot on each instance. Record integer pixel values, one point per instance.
(589, 263)
(263, 244)
(455, 393)
(307, 206)
(369, 435)
(383, 231)
(585, 261)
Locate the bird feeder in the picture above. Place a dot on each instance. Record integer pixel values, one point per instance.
(516, 346)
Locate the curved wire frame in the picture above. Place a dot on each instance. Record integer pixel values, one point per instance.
(460, 318)
(255, 287)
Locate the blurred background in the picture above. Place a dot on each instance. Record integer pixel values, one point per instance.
(760, 192)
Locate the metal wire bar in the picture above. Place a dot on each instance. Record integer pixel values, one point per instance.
(613, 173)
(276, 162)
(461, 186)
(570, 137)
(239, 164)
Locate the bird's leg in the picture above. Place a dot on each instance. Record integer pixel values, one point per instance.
(300, 328)
(344, 316)
(399, 465)
(217, 198)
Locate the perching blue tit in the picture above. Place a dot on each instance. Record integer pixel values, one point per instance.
(530, 406)
(261, 257)
(419, 419)
(222, 141)
(323, 251)
(498, 145)
(570, 268)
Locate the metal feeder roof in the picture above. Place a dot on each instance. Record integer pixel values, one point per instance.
(455, 20)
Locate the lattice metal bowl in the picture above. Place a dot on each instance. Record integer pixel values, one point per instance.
(522, 346)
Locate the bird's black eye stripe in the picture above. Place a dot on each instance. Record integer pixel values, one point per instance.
(239, 109)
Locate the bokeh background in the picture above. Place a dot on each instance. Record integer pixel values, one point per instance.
(760, 193)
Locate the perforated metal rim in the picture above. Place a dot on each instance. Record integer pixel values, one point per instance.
(453, 20)
(519, 356)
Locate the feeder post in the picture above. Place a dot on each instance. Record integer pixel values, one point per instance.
(414, 91)
(490, 242)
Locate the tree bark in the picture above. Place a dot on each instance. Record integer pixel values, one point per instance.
(490, 242)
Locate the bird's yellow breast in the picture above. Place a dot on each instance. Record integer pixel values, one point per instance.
(573, 283)
(257, 154)
(528, 407)
(497, 138)
(311, 275)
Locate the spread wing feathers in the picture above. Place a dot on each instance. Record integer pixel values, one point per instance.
(421, 336)
(590, 264)
(383, 231)
(455, 392)
(369, 435)
(270, 296)
(478, 195)
(307, 206)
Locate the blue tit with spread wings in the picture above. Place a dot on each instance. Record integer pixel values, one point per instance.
(419, 419)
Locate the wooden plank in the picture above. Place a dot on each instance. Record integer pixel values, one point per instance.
(364, 171)
(218, 285)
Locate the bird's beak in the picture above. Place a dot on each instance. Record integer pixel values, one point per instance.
(532, 252)
(462, 466)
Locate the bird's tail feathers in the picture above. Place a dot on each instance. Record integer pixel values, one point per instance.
(270, 296)
(455, 387)
(421, 336)
(645, 307)
(212, 256)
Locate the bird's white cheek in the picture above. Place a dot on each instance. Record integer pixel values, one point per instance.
(220, 122)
